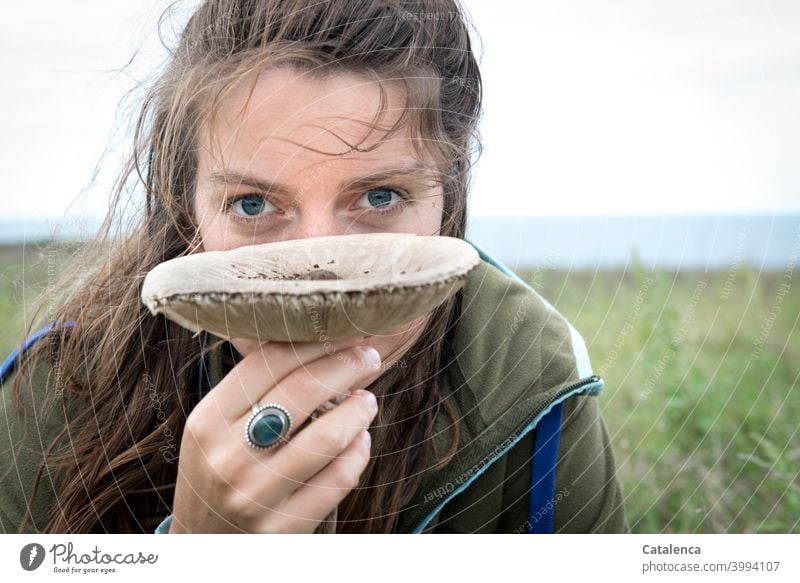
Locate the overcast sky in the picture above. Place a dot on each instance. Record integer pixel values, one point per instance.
(613, 107)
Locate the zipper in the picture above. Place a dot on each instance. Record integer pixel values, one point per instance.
(530, 423)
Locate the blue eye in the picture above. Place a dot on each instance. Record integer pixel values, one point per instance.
(251, 205)
(379, 197)
(382, 198)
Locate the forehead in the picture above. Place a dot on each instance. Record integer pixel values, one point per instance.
(290, 118)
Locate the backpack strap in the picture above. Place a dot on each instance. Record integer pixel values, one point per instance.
(543, 475)
(10, 363)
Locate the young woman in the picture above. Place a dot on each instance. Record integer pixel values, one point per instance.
(278, 120)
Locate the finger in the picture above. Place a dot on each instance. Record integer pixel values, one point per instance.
(305, 389)
(276, 476)
(315, 499)
(262, 369)
(323, 440)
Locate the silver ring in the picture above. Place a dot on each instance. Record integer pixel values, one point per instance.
(267, 426)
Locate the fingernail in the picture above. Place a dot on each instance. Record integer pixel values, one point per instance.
(369, 356)
(370, 397)
(365, 437)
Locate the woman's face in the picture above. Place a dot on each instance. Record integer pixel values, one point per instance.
(255, 186)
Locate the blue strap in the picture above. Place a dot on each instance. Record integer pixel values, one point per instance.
(10, 363)
(543, 475)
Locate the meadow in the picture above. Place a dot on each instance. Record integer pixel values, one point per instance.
(701, 371)
(702, 396)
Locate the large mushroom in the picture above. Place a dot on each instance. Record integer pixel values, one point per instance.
(316, 289)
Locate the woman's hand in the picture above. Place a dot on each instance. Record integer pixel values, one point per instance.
(224, 485)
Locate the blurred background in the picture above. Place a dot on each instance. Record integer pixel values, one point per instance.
(640, 170)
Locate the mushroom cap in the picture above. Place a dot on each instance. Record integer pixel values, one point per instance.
(315, 289)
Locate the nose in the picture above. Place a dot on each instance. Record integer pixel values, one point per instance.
(308, 224)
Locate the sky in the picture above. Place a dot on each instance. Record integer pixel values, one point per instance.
(591, 108)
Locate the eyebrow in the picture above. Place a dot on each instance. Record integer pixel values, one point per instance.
(415, 171)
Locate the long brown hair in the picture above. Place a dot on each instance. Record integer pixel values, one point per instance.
(134, 375)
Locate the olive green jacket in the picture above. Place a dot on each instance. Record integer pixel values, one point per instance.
(516, 357)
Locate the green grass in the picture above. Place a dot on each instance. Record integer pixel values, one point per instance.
(24, 274)
(704, 425)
